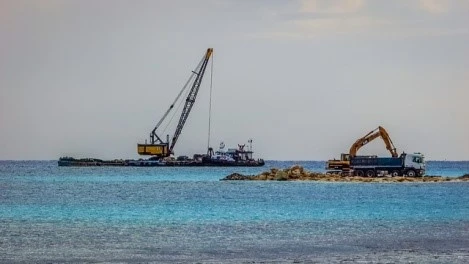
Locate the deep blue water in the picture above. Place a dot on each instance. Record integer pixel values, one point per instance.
(128, 214)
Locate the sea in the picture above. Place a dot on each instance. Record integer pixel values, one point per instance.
(51, 214)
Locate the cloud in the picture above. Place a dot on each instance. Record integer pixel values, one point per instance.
(331, 6)
(320, 17)
(342, 25)
(313, 18)
(435, 6)
(443, 6)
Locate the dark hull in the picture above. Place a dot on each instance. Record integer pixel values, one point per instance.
(79, 163)
(152, 163)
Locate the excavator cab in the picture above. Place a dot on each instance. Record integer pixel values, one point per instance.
(345, 157)
(339, 166)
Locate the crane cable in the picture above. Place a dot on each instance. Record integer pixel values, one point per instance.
(175, 112)
(185, 95)
(172, 106)
(210, 104)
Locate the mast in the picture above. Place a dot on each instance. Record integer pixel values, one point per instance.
(190, 100)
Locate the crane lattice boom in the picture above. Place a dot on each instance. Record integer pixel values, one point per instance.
(163, 149)
(190, 99)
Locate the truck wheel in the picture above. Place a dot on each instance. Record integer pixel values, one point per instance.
(370, 173)
(395, 173)
(359, 173)
(411, 173)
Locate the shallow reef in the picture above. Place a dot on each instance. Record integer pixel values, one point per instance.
(298, 173)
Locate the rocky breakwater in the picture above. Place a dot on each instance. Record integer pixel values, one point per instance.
(298, 173)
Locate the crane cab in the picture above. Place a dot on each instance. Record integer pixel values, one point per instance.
(161, 150)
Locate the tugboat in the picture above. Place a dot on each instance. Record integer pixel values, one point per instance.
(233, 156)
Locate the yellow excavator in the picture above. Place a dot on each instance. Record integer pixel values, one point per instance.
(343, 165)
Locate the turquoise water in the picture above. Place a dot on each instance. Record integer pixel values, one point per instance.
(127, 214)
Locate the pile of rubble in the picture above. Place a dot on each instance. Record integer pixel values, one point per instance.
(298, 173)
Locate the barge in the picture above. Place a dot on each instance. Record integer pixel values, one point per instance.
(72, 162)
(161, 152)
(230, 158)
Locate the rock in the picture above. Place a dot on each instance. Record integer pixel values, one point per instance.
(297, 169)
(298, 173)
(295, 172)
(236, 177)
(281, 176)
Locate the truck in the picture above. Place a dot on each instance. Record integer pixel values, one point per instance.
(411, 165)
(352, 164)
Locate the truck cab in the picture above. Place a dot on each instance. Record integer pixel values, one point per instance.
(414, 164)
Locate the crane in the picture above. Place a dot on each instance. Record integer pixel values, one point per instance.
(157, 146)
(344, 163)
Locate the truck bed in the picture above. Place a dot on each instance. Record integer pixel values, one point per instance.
(376, 161)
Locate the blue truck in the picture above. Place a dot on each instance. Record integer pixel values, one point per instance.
(406, 164)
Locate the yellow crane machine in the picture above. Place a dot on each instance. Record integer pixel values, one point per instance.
(159, 148)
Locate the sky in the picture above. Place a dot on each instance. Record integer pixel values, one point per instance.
(303, 78)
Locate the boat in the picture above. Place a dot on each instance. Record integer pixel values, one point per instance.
(232, 157)
(162, 152)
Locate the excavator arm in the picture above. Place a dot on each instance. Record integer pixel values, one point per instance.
(378, 132)
(387, 140)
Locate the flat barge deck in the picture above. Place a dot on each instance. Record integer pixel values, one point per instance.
(90, 162)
